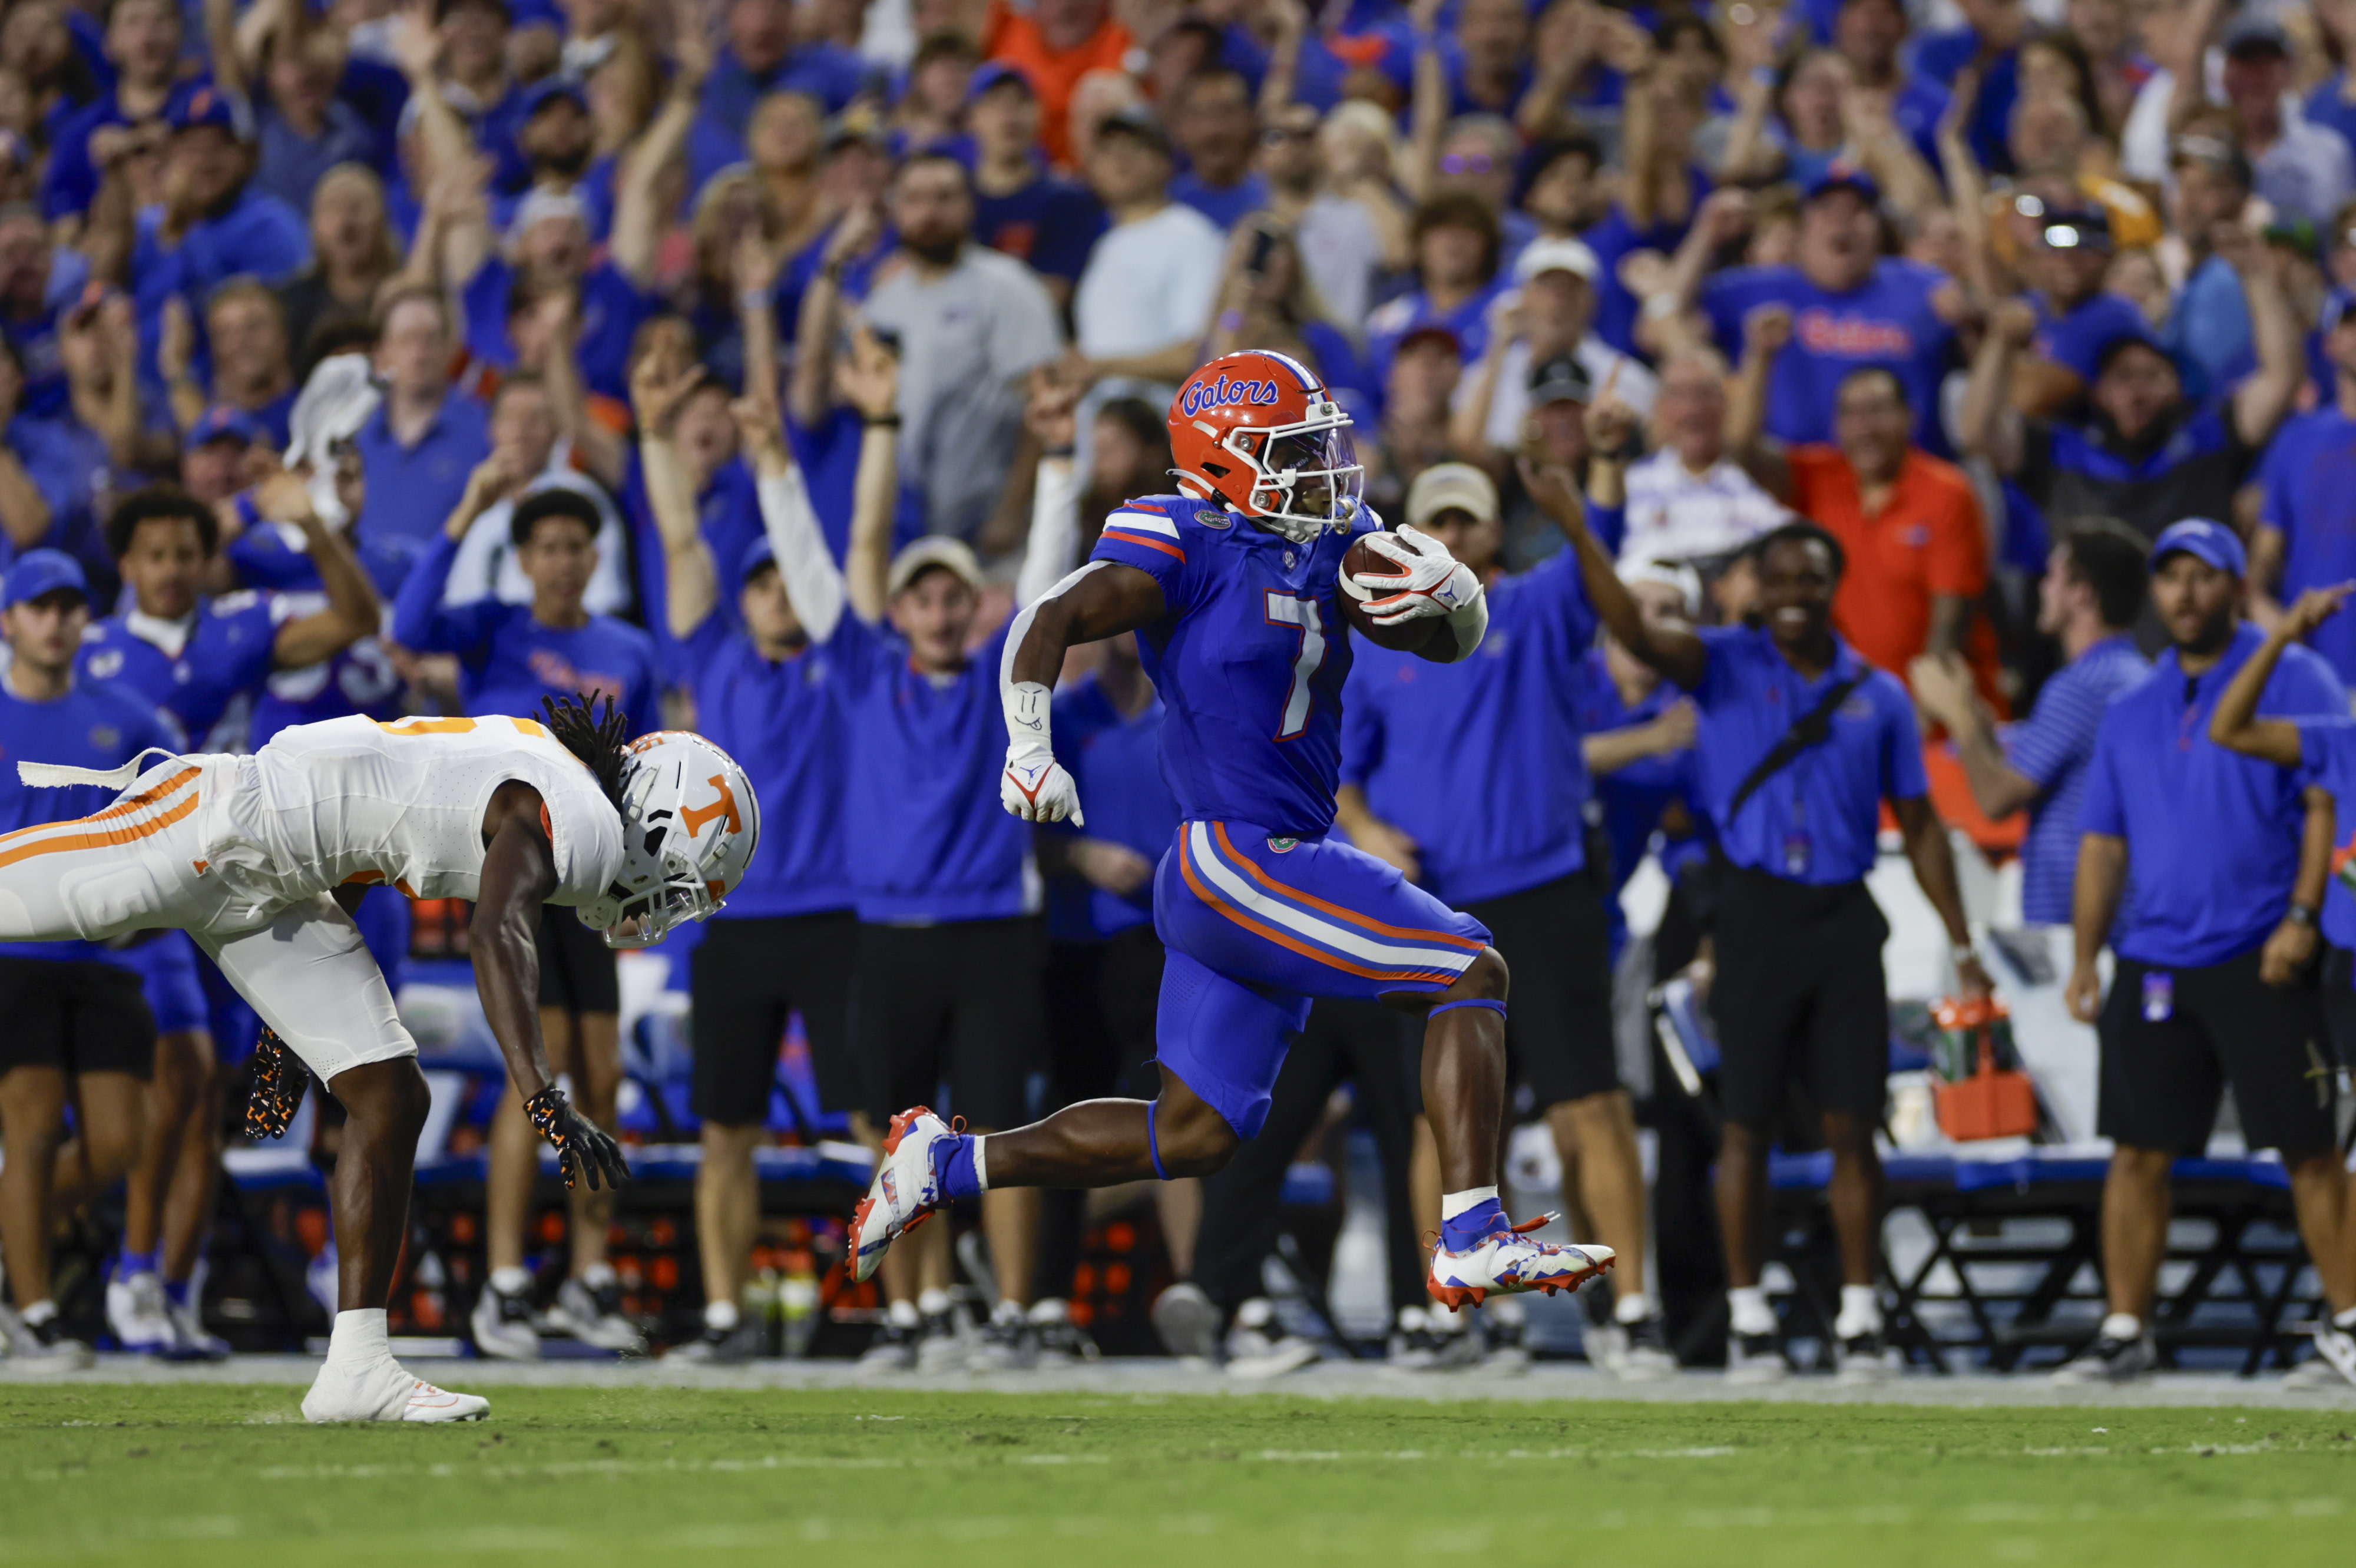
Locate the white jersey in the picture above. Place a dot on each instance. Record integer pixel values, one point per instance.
(355, 801)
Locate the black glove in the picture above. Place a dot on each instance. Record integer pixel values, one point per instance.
(582, 1147)
(278, 1080)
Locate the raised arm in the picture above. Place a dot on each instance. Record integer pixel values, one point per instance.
(1967, 186)
(2235, 725)
(420, 619)
(1674, 651)
(1988, 426)
(352, 611)
(690, 580)
(870, 379)
(812, 393)
(601, 451)
(636, 229)
(1054, 536)
(1291, 19)
(1765, 332)
(2262, 400)
(813, 585)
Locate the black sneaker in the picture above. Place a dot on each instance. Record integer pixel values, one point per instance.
(894, 1350)
(1061, 1340)
(1006, 1345)
(2112, 1360)
(1755, 1359)
(1864, 1358)
(505, 1325)
(723, 1346)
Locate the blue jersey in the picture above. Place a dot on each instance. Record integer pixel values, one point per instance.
(1887, 322)
(2308, 478)
(1116, 762)
(1249, 656)
(94, 725)
(194, 671)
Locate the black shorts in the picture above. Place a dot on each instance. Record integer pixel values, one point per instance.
(743, 978)
(2161, 1077)
(1557, 944)
(1101, 1000)
(956, 1004)
(576, 967)
(75, 1014)
(1799, 995)
(2338, 995)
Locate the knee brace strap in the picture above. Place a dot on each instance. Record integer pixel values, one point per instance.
(1493, 1007)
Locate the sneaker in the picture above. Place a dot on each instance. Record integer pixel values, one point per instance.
(137, 1312)
(944, 1342)
(593, 1315)
(1507, 1260)
(894, 1350)
(2111, 1360)
(1422, 1344)
(383, 1391)
(906, 1190)
(721, 1347)
(503, 1324)
(1755, 1359)
(45, 1350)
(1004, 1345)
(2335, 1348)
(1187, 1320)
(1864, 1358)
(1259, 1346)
(1065, 1342)
(190, 1339)
(1634, 1352)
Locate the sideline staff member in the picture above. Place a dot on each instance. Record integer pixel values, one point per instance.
(1801, 741)
(2226, 857)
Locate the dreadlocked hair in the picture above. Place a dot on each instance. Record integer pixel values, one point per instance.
(595, 738)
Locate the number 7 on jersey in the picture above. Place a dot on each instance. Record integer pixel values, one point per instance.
(1284, 609)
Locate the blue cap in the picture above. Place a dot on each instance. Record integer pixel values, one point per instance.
(2201, 539)
(989, 73)
(38, 572)
(208, 106)
(757, 554)
(1842, 175)
(223, 423)
(547, 90)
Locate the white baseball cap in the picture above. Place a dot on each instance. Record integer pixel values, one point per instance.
(1556, 256)
(954, 556)
(1445, 487)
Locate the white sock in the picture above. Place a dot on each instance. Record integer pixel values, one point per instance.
(1860, 1312)
(903, 1314)
(1634, 1307)
(1454, 1204)
(1006, 1311)
(981, 1161)
(2346, 1320)
(720, 1316)
(1748, 1306)
(932, 1303)
(509, 1281)
(2122, 1325)
(598, 1276)
(1050, 1309)
(40, 1312)
(357, 1339)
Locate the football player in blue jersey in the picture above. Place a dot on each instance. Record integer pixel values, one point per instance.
(194, 659)
(1236, 586)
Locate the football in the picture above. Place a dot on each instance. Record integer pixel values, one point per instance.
(1361, 557)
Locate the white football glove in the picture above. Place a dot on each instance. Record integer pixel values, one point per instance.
(1437, 584)
(1035, 788)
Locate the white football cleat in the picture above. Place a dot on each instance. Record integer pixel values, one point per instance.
(906, 1190)
(136, 1312)
(1506, 1263)
(384, 1390)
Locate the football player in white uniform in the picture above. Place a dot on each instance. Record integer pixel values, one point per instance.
(251, 856)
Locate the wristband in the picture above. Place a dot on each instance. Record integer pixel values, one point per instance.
(749, 300)
(1962, 954)
(1661, 306)
(882, 421)
(1027, 705)
(2300, 915)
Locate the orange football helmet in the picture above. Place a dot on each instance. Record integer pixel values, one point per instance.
(1260, 432)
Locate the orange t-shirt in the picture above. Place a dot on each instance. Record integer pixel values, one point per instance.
(1016, 40)
(1926, 541)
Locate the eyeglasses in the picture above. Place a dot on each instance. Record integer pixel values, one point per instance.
(1467, 163)
(2075, 237)
(1278, 135)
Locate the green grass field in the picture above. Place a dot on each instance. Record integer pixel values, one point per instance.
(201, 1474)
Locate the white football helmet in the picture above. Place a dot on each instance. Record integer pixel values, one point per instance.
(690, 823)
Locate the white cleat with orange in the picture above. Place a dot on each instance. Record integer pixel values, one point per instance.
(1507, 1262)
(384, 1390)
(906, 1190)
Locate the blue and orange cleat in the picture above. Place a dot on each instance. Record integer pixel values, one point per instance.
(906, 1190)
(1507, 1261)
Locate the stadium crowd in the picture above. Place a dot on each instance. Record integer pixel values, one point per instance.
(750, 362)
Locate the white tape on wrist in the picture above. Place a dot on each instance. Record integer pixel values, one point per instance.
(1028, 705)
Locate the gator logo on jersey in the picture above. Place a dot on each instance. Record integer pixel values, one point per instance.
(1212, 517)
(1282, 846)
(1225, 390)
(107, 665)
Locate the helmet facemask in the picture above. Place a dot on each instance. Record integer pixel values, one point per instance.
(1306, 477)
(663, 884)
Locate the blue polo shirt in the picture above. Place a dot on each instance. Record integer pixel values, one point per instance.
(1634, 798)
(1887, 322)
(928, 840)
(1051, 223)
(94, 725)
(1479, 761)
(227, 652)
(411, 490)
(508, 661)
(787, 725)
(2309, 480)
(1117, 763)
(2051, 748)
(2213, 837)
(1818, 819)
(729, 510)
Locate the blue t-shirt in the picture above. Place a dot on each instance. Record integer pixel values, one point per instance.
(47, 393)
(1249, 655)
(927, 839)
(1940, 57)
(2309, 480)
(94, 725)
(1816, 820)
(1634, 798)
(786, 726)
(1051, 223)
(1116, 764)
(2075, 341)
(508, 661)
(2051, 748)
(411, 490)
(1613, 238)
(1225, 206)
(611, 308)
(2328, 106)
(259, 234)
(70, 182)
(228, 654)
(1886, 322)
(2327, 758)
(70, 464)
(1479, 761)
(1387, 326)
(2208, 333)
(2213, 837)
(729, 511)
